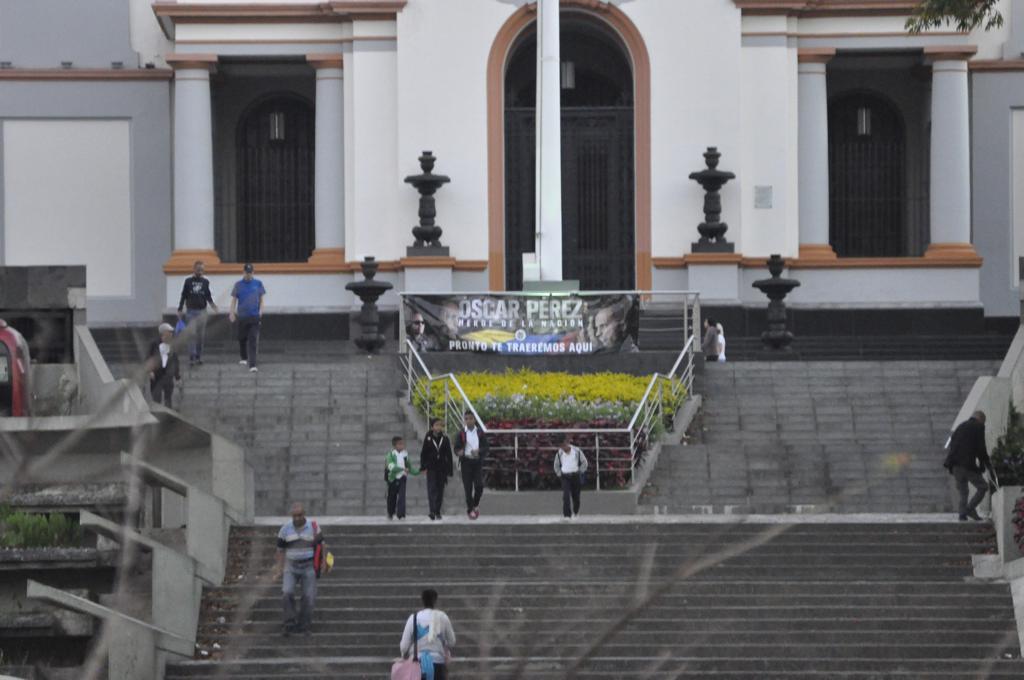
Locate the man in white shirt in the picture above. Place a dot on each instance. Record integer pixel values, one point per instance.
(471, 447)
(570, 464)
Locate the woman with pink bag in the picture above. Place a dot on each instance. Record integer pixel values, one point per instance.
(429, 636)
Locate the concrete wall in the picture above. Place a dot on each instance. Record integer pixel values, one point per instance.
(106, 205)
(997, 179)
(43, 33)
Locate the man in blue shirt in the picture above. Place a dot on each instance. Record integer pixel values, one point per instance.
(247, 308)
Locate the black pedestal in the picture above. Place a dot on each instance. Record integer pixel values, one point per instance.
(426, 251)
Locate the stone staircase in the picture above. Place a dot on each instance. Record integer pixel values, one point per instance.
(653, 599)
(661, 330)
(837, 436)
(316, 426)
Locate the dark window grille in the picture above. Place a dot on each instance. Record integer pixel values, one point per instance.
(867, 177)
(275, 156)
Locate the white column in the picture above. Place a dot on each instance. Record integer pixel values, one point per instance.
(950, 189)
(549, 142)
(813, 153)
(329, 161)
(375, 197)
(193, 158)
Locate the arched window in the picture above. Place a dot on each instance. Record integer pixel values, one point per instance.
(274, 150)
(867, 177)
(598, 221)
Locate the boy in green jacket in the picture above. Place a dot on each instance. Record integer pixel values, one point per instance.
(396, 471)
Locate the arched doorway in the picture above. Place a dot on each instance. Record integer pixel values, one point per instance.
(598, 202)
(274, 150)
(867, 177)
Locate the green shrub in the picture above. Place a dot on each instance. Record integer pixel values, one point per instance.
(37, 530)
(1008, 454)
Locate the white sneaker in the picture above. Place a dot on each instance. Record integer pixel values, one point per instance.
(243, 362)
(253, 369)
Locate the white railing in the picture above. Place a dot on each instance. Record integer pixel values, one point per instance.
(533, 450)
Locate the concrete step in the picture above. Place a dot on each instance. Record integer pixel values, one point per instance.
(818, 601)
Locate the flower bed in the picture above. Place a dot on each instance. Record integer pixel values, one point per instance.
(527, 399)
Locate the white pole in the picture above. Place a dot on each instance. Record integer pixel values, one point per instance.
(549, 142)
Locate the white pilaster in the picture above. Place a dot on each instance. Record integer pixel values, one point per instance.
(193, 158)
(371, 178)
(950, 188)
(812, 155)
(329, 161)
(549, 141)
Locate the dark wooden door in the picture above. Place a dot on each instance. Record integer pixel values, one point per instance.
(867, 177)
(275, 157)
(598, 246)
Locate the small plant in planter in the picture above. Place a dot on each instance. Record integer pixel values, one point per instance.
(1008, 454)
(32, 530)
(1018, 522)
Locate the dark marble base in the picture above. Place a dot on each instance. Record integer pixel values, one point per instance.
(713, 247)
(424, 251)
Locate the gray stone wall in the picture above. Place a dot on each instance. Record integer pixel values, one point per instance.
(44, 33)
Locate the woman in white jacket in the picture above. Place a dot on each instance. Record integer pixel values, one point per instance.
(434, 637)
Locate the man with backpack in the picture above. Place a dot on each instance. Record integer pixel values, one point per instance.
(570, 464)
(298, 543)
(396, 474)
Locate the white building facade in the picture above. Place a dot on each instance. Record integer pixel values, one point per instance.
(887, 168)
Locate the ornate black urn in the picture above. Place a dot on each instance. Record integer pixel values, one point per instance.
(369, 291)
(712, 229)
(427, 233)
(776, 288)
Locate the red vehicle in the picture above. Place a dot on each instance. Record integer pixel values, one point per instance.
(15, 367)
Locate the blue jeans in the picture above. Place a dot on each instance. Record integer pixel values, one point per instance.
(304, 573)
(195, 320)
(248, 338)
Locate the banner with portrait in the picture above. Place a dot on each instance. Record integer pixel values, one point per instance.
(523, 324)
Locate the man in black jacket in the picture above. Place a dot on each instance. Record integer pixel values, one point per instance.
(436, 459)
(471, 447)
(195, 296)
(162, 364)
(967, 459)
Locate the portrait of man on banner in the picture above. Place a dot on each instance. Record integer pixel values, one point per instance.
(523, 324)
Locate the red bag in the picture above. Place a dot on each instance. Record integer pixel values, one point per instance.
(318, 551)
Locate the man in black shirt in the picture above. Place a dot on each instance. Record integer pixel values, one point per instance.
(967, 459)
(195, 296)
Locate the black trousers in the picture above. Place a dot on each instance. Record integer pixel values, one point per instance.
(962, 476)
(162, 390)
(472, 482)
(436, 481)
(396, 497)
(248, 338)
(570, 490)
(440, 672)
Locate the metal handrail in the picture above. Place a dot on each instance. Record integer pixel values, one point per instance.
(647, 410)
